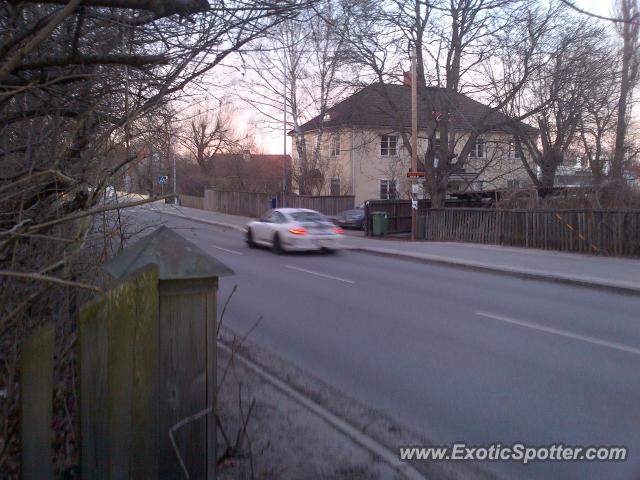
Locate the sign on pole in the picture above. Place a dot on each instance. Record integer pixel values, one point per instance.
(162, 179)
(415, 174)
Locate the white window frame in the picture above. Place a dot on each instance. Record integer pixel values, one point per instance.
(514, 153)
(334, 145)
(474, 150)
(387, 139)
(389, 182)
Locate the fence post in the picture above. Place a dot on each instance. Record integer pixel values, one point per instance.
(186, 357)
(36, 396)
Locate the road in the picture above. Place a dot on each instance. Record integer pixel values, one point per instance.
(455, 354)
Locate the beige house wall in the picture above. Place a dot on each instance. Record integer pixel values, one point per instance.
(360, 167)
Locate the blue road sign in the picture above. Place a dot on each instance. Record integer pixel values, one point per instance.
(162, 179)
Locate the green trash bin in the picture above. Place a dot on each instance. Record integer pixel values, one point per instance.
(380, 222)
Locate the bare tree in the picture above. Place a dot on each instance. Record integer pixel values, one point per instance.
(209, 132)
(629, 30)
(298, 69)
(454, 42)
(563, 92)
(75, 79)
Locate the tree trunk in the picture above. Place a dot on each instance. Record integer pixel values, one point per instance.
(629, 73)
(548, 176)
(438, 196)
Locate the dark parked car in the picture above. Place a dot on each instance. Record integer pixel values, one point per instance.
(353, 218)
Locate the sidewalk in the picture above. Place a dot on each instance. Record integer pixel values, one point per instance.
(619, 274)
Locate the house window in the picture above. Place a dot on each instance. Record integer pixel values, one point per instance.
(514, 153)
(389, 146)
(513, 184)
(335, 186)
(334, 146)
(387, 189)
(479, 149)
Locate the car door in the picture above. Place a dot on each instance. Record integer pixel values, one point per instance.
(275, 223)
(258, 227)
(266, 227)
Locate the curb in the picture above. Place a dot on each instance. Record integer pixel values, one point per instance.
(209, 222)
(357, 436)
(618, 287)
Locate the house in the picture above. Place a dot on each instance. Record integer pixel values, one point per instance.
(245, 171)
(250, 172)
(360, 140)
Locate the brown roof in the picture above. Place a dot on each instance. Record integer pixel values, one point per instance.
(370, 108)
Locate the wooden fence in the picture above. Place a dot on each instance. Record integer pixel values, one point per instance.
(146, 372)
(191, 201)
(249, 204)
(329, 204)
(601, 232)
(399, 212)
(254, 204)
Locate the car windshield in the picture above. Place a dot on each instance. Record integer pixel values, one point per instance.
(308, 217)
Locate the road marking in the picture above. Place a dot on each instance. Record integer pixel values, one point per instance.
(226, 250)
(331, 277)
(562, 333)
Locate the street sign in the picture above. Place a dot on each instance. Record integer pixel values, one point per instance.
(415, 174)
(416, 189)
(414, 204)
(162, 179)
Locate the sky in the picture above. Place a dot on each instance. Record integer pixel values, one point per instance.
(272, 142)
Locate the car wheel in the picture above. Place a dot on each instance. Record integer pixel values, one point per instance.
(277, 245)
(250, 241)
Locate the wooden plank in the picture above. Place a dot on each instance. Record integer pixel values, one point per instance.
(36, 403)
(92, 357)
(212, 381)
(144, 409)
(121, 303)
(183, 376)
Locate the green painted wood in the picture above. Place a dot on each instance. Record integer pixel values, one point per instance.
(121, 302)
(92, 355)
(145, 434)
(36, 396)
(118, 357)
(212, 381)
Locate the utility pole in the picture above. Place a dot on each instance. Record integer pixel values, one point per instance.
(414, 143)
(175, 180)
(284, 158)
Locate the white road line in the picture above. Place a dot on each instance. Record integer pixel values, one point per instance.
(226, 250)
(562, 333)
(324, 275)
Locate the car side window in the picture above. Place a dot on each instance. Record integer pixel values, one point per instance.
(274, 217)
(277, 217)
(267, 216)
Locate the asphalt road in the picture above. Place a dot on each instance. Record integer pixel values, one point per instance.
(455, 354)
